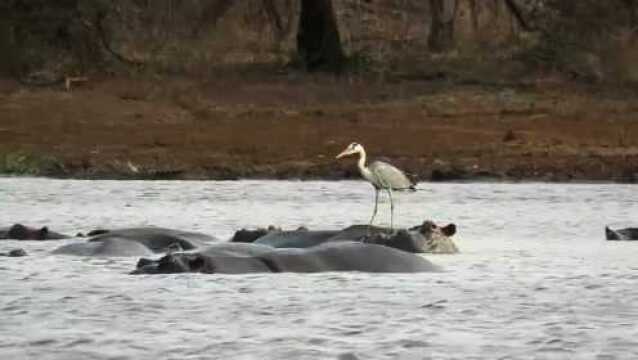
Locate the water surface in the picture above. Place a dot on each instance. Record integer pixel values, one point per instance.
(535, 278)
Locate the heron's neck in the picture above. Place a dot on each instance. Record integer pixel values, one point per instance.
(362, 162)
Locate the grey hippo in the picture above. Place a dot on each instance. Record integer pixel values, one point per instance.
(425, 238)
(14, 253)
(621, 234)
(23, 232)
(242, 258)
(143, 241)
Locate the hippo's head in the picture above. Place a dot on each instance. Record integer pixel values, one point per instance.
(15, 253)
(629, 233)
(174, 263)
(611, 234)
(21, 232)
(429, 229)
(437, 239)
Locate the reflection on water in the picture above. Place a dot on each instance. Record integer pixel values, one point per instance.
(535, 278)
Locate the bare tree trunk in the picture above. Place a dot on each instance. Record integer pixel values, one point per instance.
(318, 41)
(442, 28)
(281, 25)
(632, 8)
(474, 16)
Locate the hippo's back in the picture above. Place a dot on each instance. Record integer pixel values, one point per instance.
(158, 239)
(296, 238)
(108, 247)
(349, 256)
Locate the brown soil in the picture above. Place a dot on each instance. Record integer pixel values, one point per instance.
(292, 125)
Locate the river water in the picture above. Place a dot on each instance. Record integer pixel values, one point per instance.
(535, 279)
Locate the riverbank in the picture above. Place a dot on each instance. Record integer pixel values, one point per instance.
(292, 125)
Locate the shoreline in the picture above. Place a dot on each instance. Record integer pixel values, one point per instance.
(277, 128)
(478, 180)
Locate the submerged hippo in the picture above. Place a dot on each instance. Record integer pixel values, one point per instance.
(14, 253)
(229, 258)
(22, 232)
(621, 234)
(143, 241)
(427, 237)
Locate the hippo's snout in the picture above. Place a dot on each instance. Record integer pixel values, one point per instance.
(145, 266)
(144, 262)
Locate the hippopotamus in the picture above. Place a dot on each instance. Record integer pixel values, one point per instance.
(229, 258)
(144, 241)
(621, 234)
(14, 253)
(427, 237)
(22, 232)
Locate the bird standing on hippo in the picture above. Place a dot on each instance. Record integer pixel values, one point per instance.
(382, 175)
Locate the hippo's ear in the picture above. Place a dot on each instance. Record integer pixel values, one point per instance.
(43, 232)
(449, 230)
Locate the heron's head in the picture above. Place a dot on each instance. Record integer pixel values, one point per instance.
(354, 148)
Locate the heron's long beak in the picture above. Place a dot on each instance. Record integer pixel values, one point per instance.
(345, 152)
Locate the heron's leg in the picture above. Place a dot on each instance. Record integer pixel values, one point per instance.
(374, 212)
(391, 210)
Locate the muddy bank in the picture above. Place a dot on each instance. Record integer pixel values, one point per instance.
(292, 127)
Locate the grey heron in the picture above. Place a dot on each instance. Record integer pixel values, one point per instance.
(382, 176)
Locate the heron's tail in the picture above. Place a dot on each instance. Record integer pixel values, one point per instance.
(411, 188)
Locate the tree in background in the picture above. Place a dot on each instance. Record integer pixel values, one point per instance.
(442, 27)
(318, 41)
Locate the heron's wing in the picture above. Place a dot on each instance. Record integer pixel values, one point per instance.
(389, 176)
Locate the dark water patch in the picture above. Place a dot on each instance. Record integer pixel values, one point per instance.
(41, 342)
(408, 344)
(347, 356)
(436, 305)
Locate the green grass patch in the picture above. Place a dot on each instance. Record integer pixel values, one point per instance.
(27, 163)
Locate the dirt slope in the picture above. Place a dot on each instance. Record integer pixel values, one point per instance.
(291, 126)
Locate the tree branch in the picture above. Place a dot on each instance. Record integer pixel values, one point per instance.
(513, 7)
